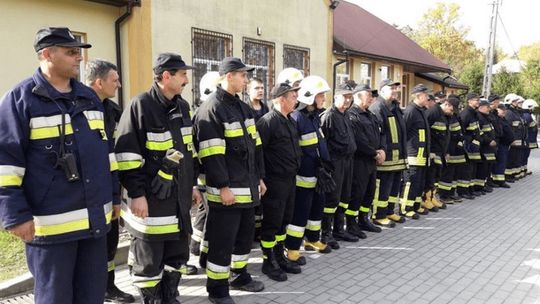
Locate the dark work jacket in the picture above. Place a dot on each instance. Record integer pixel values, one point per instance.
(280, 142)
(418, 135)
(468, 119)
(507, 136)
(152, 125)
(32, 187)
(229, 148)
(367, 134)
(496, 123)
(487, 134)
(338, 132)
(259, 113)
(456, 152)
(440, 133)
(312, 143)
(532, 129)
(513, 116)
(393, 134)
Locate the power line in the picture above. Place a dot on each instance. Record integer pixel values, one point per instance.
(509, 40)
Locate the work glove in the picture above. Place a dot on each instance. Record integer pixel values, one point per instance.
(162, 183)
(325, 181)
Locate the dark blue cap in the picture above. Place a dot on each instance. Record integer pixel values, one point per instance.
(169, 61)
(232, 64)
(56, 36)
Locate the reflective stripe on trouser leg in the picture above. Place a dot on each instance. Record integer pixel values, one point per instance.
(302, 207)
(313, 226)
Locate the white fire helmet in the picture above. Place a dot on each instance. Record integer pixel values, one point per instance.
(529, 104)
(508, 99)
(290, 76)
(208, 84)
(310, 87)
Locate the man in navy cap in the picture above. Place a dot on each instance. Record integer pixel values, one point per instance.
(230, 151)
(56, 185)
(154, 150)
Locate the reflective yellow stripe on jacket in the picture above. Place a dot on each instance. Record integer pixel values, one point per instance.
(150, 225)
(11, 175)
(309, 139)
(49, 126)
(241, 195)
(213, 146)
(159, 141)
(128, 161)
(54, 224)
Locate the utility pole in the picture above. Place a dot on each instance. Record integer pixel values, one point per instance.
(490, 52)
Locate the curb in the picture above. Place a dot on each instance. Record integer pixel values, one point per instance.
(25, 282)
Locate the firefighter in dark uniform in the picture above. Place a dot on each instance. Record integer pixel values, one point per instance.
(488, 147)
(157, 129)
(56, 185)
(494, 119)
(229, 148)
(369, 153)
(309, 203)
(418, 137)
(389, 173)
(468, 118)
(515, 154)
(504, 141)
(103, 78)
(455, 160)
(532, 130)
(337, 129)
(437, 116)
(282, 153)
(199, 242)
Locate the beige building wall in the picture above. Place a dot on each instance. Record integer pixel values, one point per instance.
(303, 23)
(21, 19)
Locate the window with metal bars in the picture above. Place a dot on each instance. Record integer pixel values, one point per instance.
(296, 57)
(208, 50)
(260, 55)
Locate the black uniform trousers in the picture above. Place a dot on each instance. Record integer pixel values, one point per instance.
(112, 245)
(343, 175)
(230, 234)
(277, 209)
(433, 175)
(73, 272)
(387, 188)
(306, 221)
(448, 182)
(363, 186)
(482, 173)
(414, 181)
(198, 239)
(513, 165)
(148, 259)
(497, 171)
(466, 172)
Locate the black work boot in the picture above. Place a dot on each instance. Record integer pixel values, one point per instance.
(365, 223)
(270, 266)
(283, 262)
(353, 228)
(169, 287)
(326, 231)
(151, 295)
(188, 269)
(115, 295)
(339, 232)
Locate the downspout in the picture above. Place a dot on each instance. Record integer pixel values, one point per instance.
(118, 43)
(335, 70)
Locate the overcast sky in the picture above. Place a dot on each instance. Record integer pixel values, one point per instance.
(520, 17)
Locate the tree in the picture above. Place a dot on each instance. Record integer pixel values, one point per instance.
(440, 34)
(473, 76)
(505, 82)
(529, 52)
(530, 79)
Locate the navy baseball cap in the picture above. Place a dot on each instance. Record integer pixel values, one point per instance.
(388, 82)
(348, 87)
(281, 89)
(232, 64)
(420, 88)
(57, 36)
(473, 95)
(364, 87)
(169, 61)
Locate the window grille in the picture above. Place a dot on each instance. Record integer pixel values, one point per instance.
(296, 57)
(260, 55)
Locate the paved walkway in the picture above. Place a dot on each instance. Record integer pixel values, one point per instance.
(481, 251)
